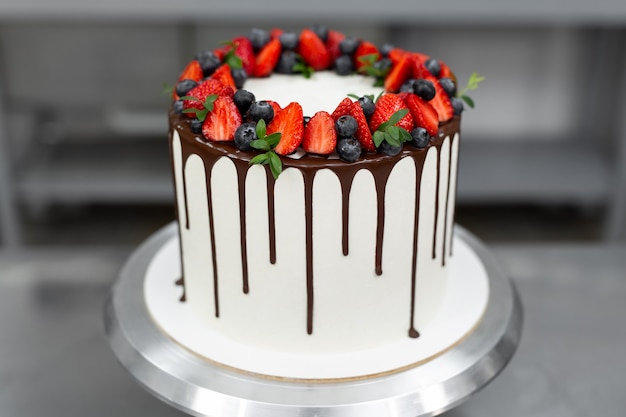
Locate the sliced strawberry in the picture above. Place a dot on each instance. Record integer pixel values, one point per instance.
(275, 33)
(441, 101)
(222, 73)
(399, 74)
(319, 134)
(275, 106)
(396, 54)
(345, 107)
(313, 50)
(267, 58)
(386, 106)
(446, 72)
(193, 71)
(363, 133)
(424, 115)
(220, 53)
(202, 91)
(421, 58)
(418, 70)
(332, 43)
(289, 122)
(245, 51)
(365, 48)
(221, 123)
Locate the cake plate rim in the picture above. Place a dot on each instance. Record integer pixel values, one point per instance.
(200, 388)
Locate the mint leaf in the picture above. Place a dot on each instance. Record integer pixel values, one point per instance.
(468, 100)
(261, 158)
(260, 144)
(378, 137)
(260, 129)
(276, 165)
(232, 59)
(167, 90)
(397, 116)
(472, 84)
(306, 70)
(273, 139)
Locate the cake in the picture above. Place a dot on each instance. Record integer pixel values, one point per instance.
(315, 177)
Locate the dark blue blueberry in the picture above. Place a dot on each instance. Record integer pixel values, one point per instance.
(286, 62)
(388, 149)
(386, 49)
(243, 99)
(408, 86)
(343, 65)
(183, 86)
(367, 105)
(457, 105)
(288, 40)
(348, 45)
(349, 149)
(258, 38)
(196, 126)
(383, 64)
(420, 137)
(209, 62)
(448, 86)
(321, 31)
(260, 110)
(239, 76)
(346, 126)
(432, 65)
(245, 134)
(424, 89)
(178, 107)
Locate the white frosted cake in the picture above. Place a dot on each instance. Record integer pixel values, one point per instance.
(317, 230)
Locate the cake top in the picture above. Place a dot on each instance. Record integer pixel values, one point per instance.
(316, 93)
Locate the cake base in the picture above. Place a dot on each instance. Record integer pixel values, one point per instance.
(203, 387)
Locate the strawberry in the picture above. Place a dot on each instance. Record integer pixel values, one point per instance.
(274, 105)
(363, 133)
(319, 134)
(223, 74)
(244, 50)
(289, 122)
(222, 122)
(345, 107)
(396, 54)
(446, 72)
(332, 43)
(202, 91)
(386, 106)
(267, 58)
(418, 70)
(275, 33)
(399, 74)
(441, 102)
(220, 53)
(365, 49)
(313, 50)
(424, 115)
(193, 71)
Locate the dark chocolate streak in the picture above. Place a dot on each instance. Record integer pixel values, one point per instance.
(181, 281)
(379, 165)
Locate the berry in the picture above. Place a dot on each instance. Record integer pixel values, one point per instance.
(275, 33)
(203, 90)
(383, 64)
(457, 105)
(313, 50)
(424, 88)
(260, 110)
(259, 38)
(408, 86)
(223, 74)
(239, 76)
(398, 74)
(245, 51)
(448, 86)
(288, 59)
(183, 86)
(343, 65)
(446, 72)
(388, 149)
(432, 65)
(209, 62)
(349, 149)
(221, 123)
(345, 107)
(243, 99)
(441, 102)
(367, 105)
(420, 137)
(386, 106)
(288, 40)
(332, 43)
(275, 106)
(386, 49)
(424, 114)
(319, 134)
(321, 31)
(363, 50)
(245, 134)
(348, 45)
(267, 58)
(178, 107)
(196, 125)
(289, 123)
(193, 71)
(346, 126)
(363, 133)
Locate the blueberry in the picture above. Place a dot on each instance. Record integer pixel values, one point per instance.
(408, 86)
(243, 99)
(383, 64)
(178, 107)
(420, 137)
(424, 89)
(245, 134)
(346, 126)
(348, 45)
(349, 149)
(196, 126)
(286, 62)
(388, 149)
(288, 40)
(209, 62)
(386, 49)
(239, 76)
(258, 38)
(457, 105)
(321, 31)
(306, 120)
(367, 105)
(448, 86)
(260, 110)
(432, 65)
(183, 86)
(343, 65)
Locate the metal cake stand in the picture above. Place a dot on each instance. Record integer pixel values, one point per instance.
(200, 388)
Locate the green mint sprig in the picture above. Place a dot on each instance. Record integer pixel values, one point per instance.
(267, 143)
(207, 104)
(306, 70)
(369, 68)
(168, 89)
(388, 131)
(370, 96)
(472, 84)
(230, 58)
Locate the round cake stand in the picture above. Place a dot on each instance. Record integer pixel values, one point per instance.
(201, 388)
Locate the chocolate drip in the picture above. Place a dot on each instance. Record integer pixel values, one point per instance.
(181, 281)
(242, 173)
(208, 171)
(438, 148)
(419, 169)
(381, 175)
(308, 177)
(271, 213)
(346, 186)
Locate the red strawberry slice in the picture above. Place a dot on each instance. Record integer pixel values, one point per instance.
(332, 43)
(193, 71)
(399, 74)
(418, 70)
(441, 101)
(396, 54)
(363, 133)
(289, 122)
(275, 33)
(365, 49)
(221, 123)
(245, 51)
(446, 71)
(313, 50)
(319, 134)
(386, 106)
(424, 115)
(267, 59)
(345, 107)
(222, 73)
(274, 105)
(202, 91)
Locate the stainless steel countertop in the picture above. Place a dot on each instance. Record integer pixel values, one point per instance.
(55, 360)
